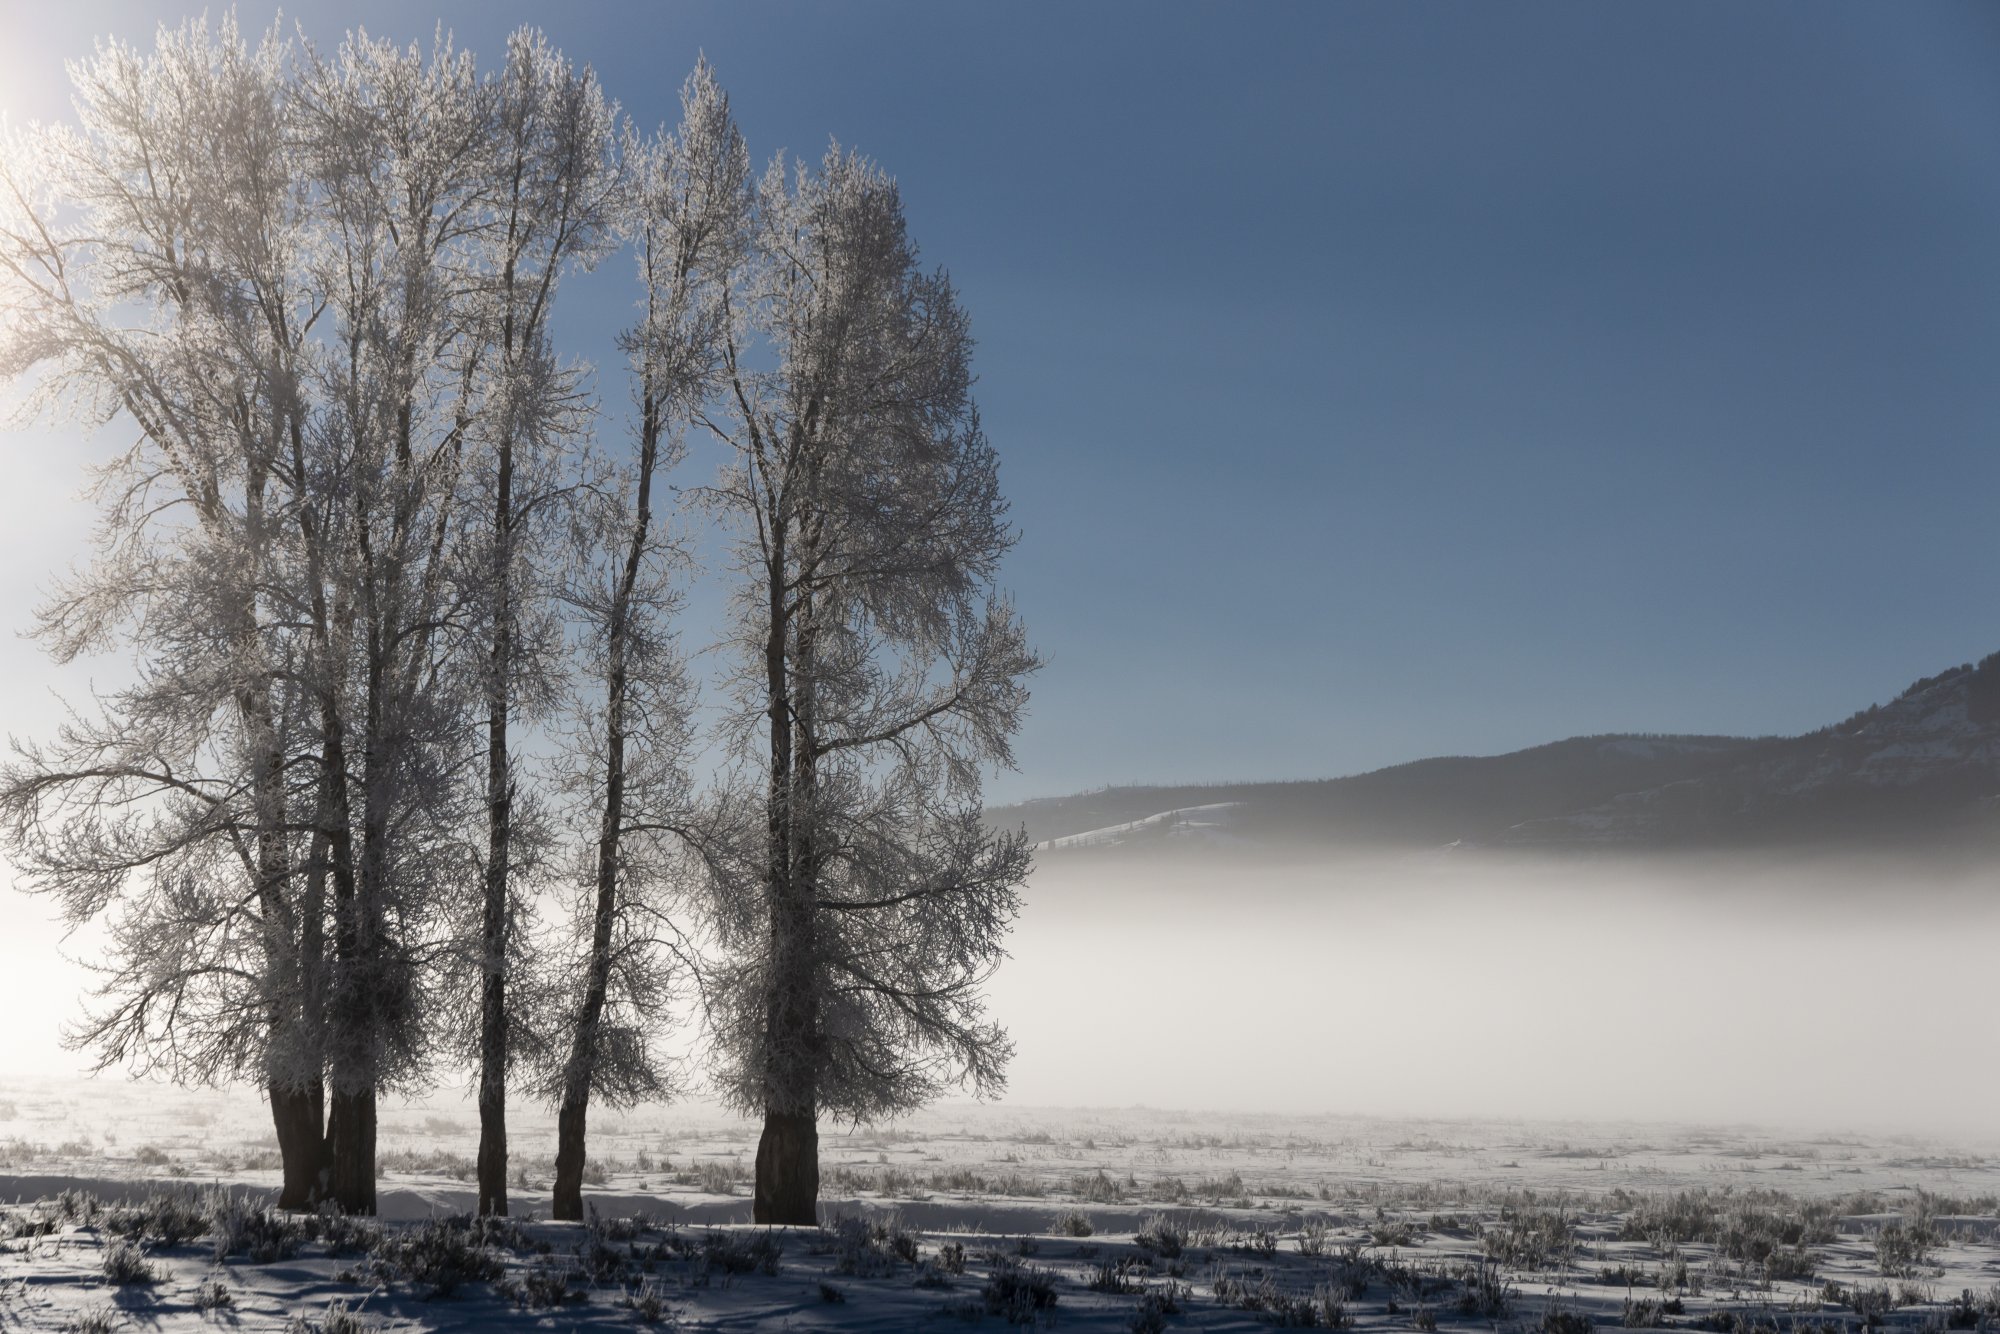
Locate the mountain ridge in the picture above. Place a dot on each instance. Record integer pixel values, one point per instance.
(1925, 766)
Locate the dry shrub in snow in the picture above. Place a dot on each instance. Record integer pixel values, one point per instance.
(1071, 1223)
(125, 1264)
(1019, 1294)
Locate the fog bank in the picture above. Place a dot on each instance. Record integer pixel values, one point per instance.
(1829, 994)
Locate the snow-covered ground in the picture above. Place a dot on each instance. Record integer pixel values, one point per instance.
(972, 1213)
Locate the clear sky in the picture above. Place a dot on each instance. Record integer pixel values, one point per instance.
(1374, 381)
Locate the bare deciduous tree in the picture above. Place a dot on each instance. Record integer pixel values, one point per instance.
(690, 197)
(396, 148)
(148, 261)
(318, 286)
(880, 670)
(555, 196)
(319, 289)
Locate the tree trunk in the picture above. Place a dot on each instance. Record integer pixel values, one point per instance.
(493, 988)
(568, 1203)
(499, 822)
(307, 1108)
(296, 1114)
(571, 1117)
(493, 982)
(493, 1100)
(788, 1152)
(787, 1190)
(787, 1171)
(357, 1010)
(351, 1136)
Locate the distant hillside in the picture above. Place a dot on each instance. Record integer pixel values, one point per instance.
(1925, 766)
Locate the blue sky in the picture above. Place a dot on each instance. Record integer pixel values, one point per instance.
(1375, 381)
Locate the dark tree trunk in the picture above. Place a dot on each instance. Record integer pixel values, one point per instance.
(296, 1114)
(493, 1016)
(572, 1115)
(574, 1112)
(306, 1155)
(787, 1171)
(568, 1203)
(778, 1176)
(351, 1137)
(788, 1152)
(499, 829)
(493, 1106)
(787, 1190)
(493, 946)
(354, 1009)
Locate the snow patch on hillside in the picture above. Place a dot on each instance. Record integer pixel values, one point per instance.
(1183, 821)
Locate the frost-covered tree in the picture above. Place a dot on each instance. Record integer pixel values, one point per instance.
(879, 671)
(396, 148)
(689, 201)
(356, 529)
(149, 271)
(317, 287)
(554, 194)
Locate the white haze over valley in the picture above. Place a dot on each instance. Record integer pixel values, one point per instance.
(1819, 994)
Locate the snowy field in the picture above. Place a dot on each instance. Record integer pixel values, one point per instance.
(1080, 1219)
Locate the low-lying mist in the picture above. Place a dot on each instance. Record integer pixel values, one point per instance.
(1830, 993)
